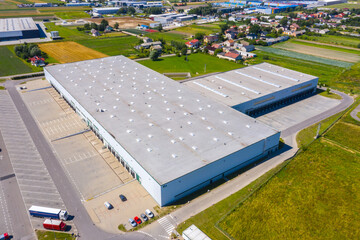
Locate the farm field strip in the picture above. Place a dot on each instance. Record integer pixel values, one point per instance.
(326, 45)
(319, 52)
(66, 52)
(307, 57)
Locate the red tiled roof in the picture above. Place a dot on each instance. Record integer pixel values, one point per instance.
(232, 55)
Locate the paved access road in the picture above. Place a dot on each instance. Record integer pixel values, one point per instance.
(355, 112)
(69, 195)
(345, 102)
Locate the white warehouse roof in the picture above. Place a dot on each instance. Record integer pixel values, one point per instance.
(17, 24)
(168, 129)
(244, 84)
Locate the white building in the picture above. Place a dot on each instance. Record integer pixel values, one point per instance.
(256, 89)
(171, 139)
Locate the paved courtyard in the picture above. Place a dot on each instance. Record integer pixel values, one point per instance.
(298, 112)
(94, 171)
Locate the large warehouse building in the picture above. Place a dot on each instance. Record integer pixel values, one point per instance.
(256, 89)
(171, 139)
(18, 28)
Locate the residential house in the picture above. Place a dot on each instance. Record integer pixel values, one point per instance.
(324, 31)
(147, 40)
(229, 43)
(251, 36)
(148, 45)
(294, 27)
(193, 43)
(156, 47)
(210, 39)
(37, 61)
(108, 29)
(95, 33)
(210, 50)
(231, 33)
(217, 45)
(232, 56)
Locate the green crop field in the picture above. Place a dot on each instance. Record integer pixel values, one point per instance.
(168, 36)
(339, 48)
(112, 46)
(332, 39)
(344, 5)
(10, 64)
(305, 57)
(195, 65)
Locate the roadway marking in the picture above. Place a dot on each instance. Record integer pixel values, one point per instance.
(147, 234)
(166, 224)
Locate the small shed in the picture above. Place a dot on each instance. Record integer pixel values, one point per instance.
(194, 233)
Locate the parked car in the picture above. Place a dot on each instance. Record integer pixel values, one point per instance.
(149, 213)
(137, 220)
(132, 222)
(122, 197)
(144, 217)
(108, 205)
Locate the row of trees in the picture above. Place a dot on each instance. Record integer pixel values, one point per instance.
(126, 10)
(26, 51)
(203, 11)
(101, 27)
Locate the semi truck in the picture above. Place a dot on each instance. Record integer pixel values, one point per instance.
(54, 224)
(46, 212)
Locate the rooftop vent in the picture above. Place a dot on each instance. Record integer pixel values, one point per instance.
(131, 120)
(189, 122)
(150, 124)
(181, 138)
(167, 109)
(173, 141)
(174, 155)
(138, 140)
(114, 107)
(203, 118)
(230, 133)
(149, 149)
(150, 136)
(181, 105)
(112, 116)
(149, 105)
(215, 139)
(209, 106)
(169, 130)
(221, 112)
(192, 134)
(128, 131)
(194, 147)
(149, 115)
(168, 118)
(226, 122)
(209, 128)
(248, 126)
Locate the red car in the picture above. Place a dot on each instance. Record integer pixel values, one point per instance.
(137, 220)
(4, 236)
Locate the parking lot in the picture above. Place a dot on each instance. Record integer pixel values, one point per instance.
(298, 112)
(93, 170)
(35, 183)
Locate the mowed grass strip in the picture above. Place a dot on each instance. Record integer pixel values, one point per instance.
(123, 45)
(10, 64)
(320, 52)
(195, 64)
(332, 39)
(66, 52)
(316, 196)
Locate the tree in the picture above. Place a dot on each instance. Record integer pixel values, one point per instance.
(217, 51)
(154, 55)
(199, 36)
(160, 27)
(87, 26)
(223, 27)
(283, 21)
(116, 25)
(94, 26)
(183, 51)
(122, 11)
(255, 29)
(131, 10)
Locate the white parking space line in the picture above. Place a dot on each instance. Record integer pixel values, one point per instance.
(4, 210)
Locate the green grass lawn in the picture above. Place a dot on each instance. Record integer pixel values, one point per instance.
(344, 5)
(49, 235)
(330, 95)
(349, 138)
(72, 15)
(168, 36)
(347, 80)
(10, 64)
(354, 51)
(67, 33)
(316, 196)
(112, 46)
(192, 29)
(332, 39)
(195, 65)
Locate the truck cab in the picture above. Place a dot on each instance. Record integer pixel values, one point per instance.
(4, 236)
(63, 215)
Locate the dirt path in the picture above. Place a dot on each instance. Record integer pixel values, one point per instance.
(328, 44)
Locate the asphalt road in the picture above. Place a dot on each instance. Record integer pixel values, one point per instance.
(14, 213)
(345, 102)
(355, 112)
(70, 196)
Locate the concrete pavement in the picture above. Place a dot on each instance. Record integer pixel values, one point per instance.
(354, 113)
(70, 196)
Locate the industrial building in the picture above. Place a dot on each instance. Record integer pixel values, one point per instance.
(256, 89)
(172, 139)
(18, 28)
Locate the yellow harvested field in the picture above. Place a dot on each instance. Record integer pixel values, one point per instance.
(66, 52)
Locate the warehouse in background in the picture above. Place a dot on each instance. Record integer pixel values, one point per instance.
(170, 138)
(18, 28)
(257, 89)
